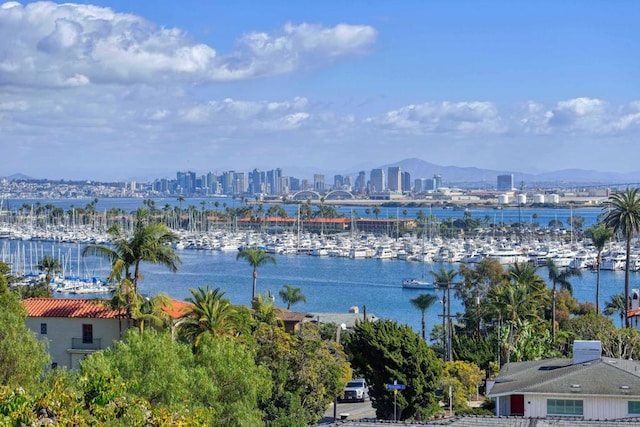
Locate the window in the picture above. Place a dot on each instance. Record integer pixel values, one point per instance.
(564, 407)
(87, 334)
(633, 407)
(43, 328)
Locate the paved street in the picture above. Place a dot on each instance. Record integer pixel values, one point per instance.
(356, 410)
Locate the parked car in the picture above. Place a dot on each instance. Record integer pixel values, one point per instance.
(355, 390)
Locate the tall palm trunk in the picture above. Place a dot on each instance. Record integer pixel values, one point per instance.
(598, 262)
(255, 279)
(626, 280)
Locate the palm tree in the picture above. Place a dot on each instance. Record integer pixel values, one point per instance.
(49, 266)
(623, 215)
(616, 305)
(444, 279)
(211, 314)
(256, 258)
(559, 278)
(152, 311)
(422, 302)
(291, 295)
(150, 242)
(264, 311)
(599, 235)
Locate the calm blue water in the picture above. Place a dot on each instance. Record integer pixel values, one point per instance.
(330, 284)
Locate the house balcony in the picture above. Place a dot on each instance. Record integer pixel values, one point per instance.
(79, 344)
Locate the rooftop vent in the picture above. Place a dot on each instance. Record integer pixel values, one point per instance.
(586, 351)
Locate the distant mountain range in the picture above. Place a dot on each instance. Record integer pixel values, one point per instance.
(453, 174)
(419, 168)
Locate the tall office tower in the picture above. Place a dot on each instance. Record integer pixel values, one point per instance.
(304, 184)
(285, 185)
(347, 183)
(394, 179)
(239, 183)
(294, 184)
(338, 182)
(429, 184)
(360, 185)
(227, 182)
(273, 181)
(505, 182)
(257, 182)
(406, 181)
(212, 181)
(417, 185)
(187, 182)
(437, 180)
(318, 182)
(376, 181)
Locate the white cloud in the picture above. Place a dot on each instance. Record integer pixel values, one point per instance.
(58, 45)
(578, 116)
(444, 117)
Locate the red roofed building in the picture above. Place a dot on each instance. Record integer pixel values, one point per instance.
(74, 328)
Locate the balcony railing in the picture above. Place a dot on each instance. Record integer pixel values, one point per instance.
(78, 344)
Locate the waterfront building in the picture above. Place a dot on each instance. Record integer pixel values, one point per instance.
(521, 199)
(538, 198)
(554, 198)
(505, 182)
(376, 181)
(503, 199)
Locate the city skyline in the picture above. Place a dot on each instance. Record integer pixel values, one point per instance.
(113, 90)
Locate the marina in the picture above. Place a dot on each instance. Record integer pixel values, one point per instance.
(335, 271)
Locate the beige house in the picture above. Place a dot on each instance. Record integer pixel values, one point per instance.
(74, 328)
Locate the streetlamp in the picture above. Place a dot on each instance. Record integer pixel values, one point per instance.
(341, 327)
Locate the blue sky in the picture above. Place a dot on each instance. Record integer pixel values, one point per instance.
(121, 89)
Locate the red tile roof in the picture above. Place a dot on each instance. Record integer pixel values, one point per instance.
(75, 308)
(176, 308)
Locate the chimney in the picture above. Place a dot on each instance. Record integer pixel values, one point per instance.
(586, 351)
(635, 298)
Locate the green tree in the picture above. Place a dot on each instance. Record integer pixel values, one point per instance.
(422, 302)
(150, 242)
(559, 278)
(307, 373)
(209, 315)
(599, 235)
(255, 258)
(473, 290)
(464, 377)
(291, 295)
(616, 305)
(22, 357)
(49, 266)
(623, 215)
(383, 352)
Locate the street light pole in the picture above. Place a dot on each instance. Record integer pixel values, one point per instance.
(340, 327)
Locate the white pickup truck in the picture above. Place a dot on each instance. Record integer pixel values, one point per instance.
(355, 390)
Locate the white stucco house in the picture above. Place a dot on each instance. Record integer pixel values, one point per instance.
(587, 387)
